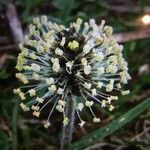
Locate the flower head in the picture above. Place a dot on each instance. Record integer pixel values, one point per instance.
(83, 60)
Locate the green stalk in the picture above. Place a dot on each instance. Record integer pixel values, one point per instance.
(67, 131)
(14, 125)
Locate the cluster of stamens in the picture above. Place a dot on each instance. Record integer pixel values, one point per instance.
(83, 61)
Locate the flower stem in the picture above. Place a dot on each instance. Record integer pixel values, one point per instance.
(67, 131)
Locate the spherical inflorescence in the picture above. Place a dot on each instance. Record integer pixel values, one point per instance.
(83, 60)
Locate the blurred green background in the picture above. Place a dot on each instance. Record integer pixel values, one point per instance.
(20, 130)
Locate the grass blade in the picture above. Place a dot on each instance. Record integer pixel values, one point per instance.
(14, 125)
(112, 127)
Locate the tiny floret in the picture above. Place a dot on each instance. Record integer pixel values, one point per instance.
(125, 92)
(24, 107)
(47, 124)
(89, 103)
(35, 108)
(53, 88)
(96, 120)
(87, 69)
(50, 81)
(81, 124)
(22, 96)
(65, 121)
(35, 67)
(87, 85)
(80, 106)
(39, 100)
(73, 45)
(60, 108)
(60, 91)
(32, 92)
(103, 104)
(59, 52)
(61, 102)
(36, 113)
(111, 108)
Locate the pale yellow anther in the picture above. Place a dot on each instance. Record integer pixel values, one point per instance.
(99, 85)
(103, 104)
(60, 91)
(50, 81)
(111, 69)
(35, 108)
(81, 124)
(22, 96)
(53, 88)
(100, 70)
(84, 61)
(36, 113)
(80, 106)
(87, 69)
(40, 49)
(108, 30)
(31, 29)
(33, 56)
(62, 27)
(96, 120)
(110, 86)
(99, 56)
(36, 76)
(35, 67)
(109, 100)
(73, 45)
(56, 67)
(37, 21)
(32, 92)
(87, 85)
(125, 92)
(89, 103)
(25, 80)
(60, 108)
(58, 51)
(94, 93)
(27, 67)
(118, 85)
(111, 108)
(62, 43)
(123, 76)
(79, 21)
(114, 97)
(21, 47)
(65, 121)
(47, 124)
(24, 107)
(17, 91)
(40, 100)
(62, 102)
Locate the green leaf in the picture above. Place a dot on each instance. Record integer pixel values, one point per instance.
(112, 127)
(65, 7)
(4, 141)
(14, 124)
(29, 5)
(27, 141)
(4, 74)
